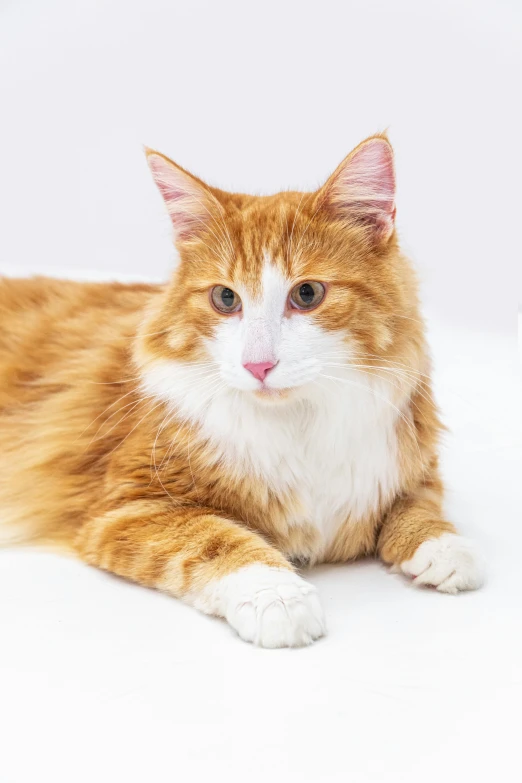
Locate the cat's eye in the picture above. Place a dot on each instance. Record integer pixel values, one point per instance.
(308, 295)
(225, 300)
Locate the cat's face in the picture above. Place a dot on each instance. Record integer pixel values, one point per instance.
(274, 294)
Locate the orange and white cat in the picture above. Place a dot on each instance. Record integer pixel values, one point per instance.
(271, 406)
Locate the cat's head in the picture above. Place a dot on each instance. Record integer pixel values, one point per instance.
(273, 293)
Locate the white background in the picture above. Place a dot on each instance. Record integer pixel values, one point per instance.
(260, 97)
(101, 680)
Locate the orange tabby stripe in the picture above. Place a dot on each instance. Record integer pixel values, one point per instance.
(176, 550)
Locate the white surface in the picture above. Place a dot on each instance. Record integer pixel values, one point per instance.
(260, 97)
(104, 680)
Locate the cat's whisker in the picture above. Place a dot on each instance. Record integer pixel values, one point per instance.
(340, 353)
(399, 370)
(423, 378)
(370, 356)
(104, 422)
(410, 383)
(212, 391)
(413, 381)
(215, 391)
(116, 424)
(167, 419)
(132, 391)
(139, 377)
(197, 377)
(183, 419)
(153, 334)
(113, 383)
(405, 391)
(173, 443)
(320, 384)
(193, 365)
(401, 415)
(387, 401)
(154, 407)
(360, 355)
(409, 318)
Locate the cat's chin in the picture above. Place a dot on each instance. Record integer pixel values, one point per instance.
(270, 396)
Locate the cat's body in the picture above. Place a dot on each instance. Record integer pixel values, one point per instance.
(319, 472)
(199, 451)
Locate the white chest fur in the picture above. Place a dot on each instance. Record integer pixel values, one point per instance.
(335, 450)
(337, 453)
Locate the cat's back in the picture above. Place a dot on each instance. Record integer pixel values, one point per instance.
(41, 308)
(65, 350)
(45, 324)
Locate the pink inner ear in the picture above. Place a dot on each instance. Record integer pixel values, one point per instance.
(184, 199)
(365, 186)
(168, 190)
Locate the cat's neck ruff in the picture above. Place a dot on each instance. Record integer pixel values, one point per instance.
(334, 446)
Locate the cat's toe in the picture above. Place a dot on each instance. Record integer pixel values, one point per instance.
(449, 563)
(273, 607)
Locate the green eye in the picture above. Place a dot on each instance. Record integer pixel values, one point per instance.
(308, 295)
(225, 300)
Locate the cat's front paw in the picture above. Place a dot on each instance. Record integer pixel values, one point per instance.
(272, 607)
(450, 563)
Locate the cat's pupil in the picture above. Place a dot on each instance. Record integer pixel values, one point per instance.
(306, 292)
(227, 297)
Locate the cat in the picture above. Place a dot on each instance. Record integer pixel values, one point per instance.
(269, 407)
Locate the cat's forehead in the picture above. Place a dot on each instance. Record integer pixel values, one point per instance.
(268, 240)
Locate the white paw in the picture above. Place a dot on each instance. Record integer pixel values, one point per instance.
(271, 607)
(450, 563)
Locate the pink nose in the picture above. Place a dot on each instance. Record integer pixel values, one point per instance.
(259, 369)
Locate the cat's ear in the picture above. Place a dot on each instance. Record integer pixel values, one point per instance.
(362, 189)
(189, 202)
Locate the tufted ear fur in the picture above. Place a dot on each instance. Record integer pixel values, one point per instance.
(189, 202)
(362, 189)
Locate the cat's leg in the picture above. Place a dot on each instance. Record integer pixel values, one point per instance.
(419, 542)
(211, 562)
